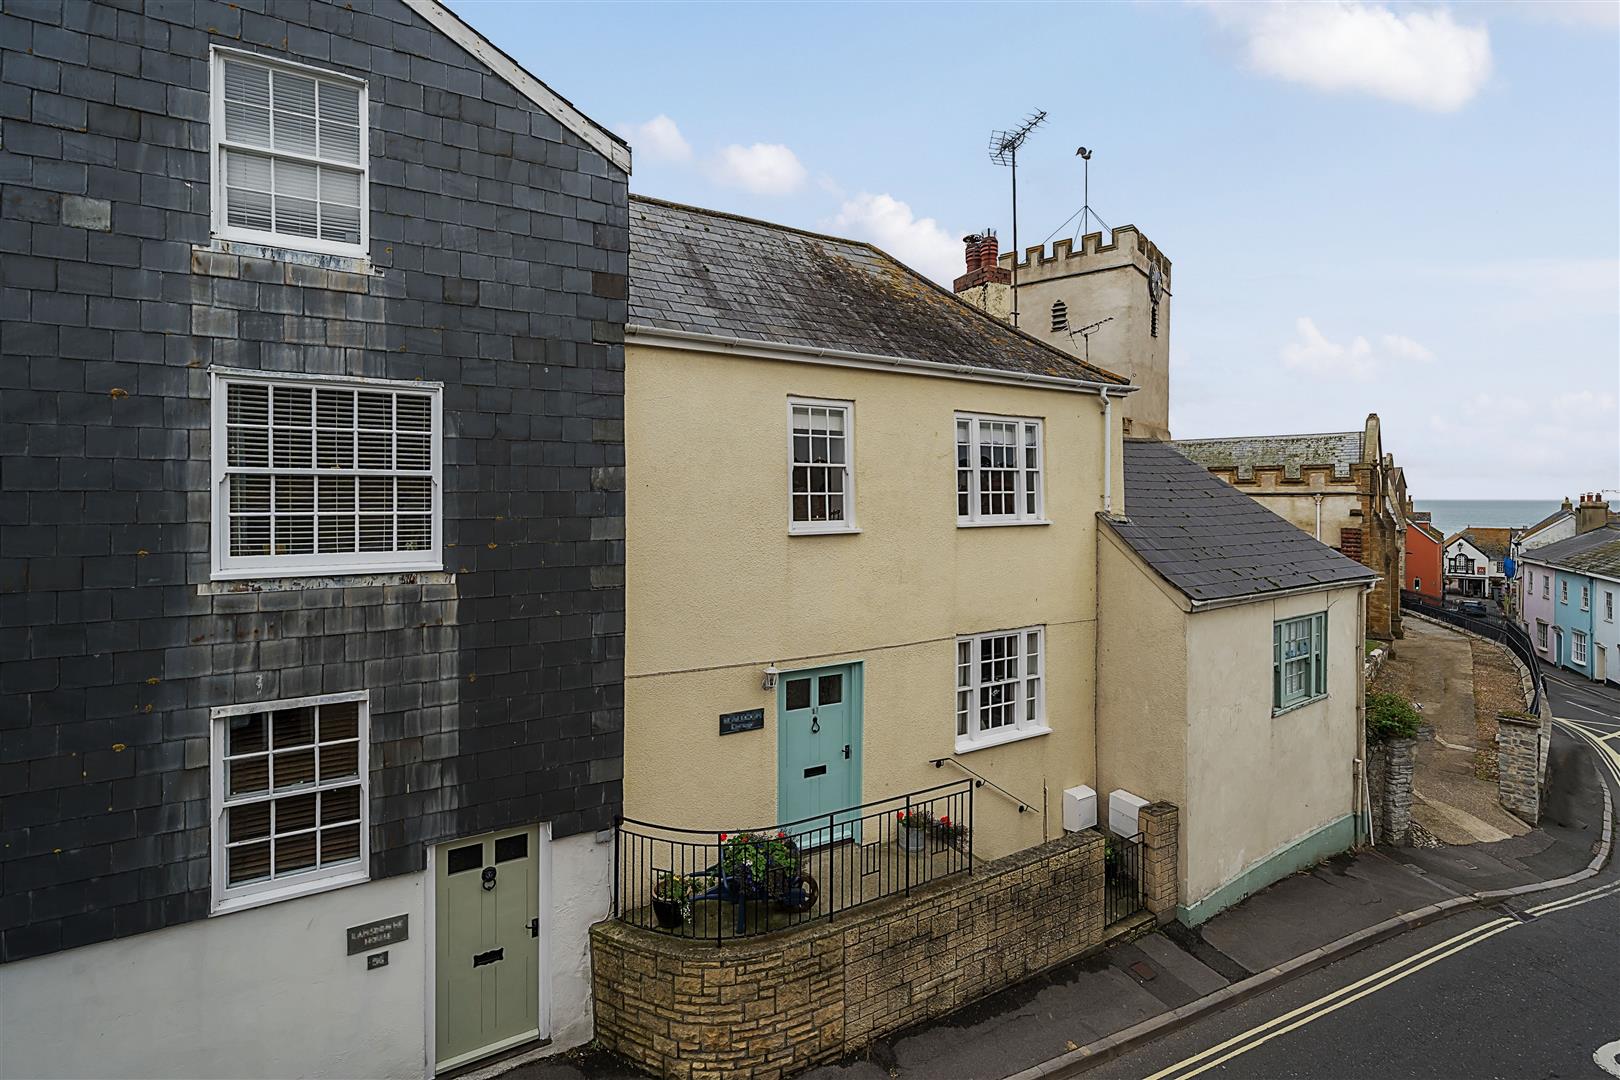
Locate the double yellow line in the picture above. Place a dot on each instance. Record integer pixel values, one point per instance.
(1602, 742)
(1371, 984)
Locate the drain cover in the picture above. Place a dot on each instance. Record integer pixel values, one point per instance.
(1142, 971)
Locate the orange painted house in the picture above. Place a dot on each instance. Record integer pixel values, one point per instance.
(1423, 548)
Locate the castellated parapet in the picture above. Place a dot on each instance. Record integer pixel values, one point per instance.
(1127, 246)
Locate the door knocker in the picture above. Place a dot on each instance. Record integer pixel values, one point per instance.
(489, 878)
(815, 723)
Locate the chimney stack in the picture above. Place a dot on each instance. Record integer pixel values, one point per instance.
(1592, 513)
(980, 251)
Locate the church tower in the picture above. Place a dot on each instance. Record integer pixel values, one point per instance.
(1118, 293)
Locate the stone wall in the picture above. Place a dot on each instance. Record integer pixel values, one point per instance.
(1160, 858)
(766, 1007)
(1389, 782)
(1520, 750)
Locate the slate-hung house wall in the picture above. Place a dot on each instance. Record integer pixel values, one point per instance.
(311, 604)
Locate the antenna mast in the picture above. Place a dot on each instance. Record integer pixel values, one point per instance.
(1004, 151)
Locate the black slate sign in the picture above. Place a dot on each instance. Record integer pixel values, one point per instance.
(733, 722)
(377, 934)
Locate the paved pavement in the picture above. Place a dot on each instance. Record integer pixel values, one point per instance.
(1505, 979)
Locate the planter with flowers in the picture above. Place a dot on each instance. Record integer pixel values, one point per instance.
(914, 829)
(758, 866)
(672, 900)
(950, 834)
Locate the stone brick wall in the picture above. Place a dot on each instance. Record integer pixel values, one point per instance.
(1390, 766)
(1519, 754)
(1161, 848)
(498, 261)
(770, 1006)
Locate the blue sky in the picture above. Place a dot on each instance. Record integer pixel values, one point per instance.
(1390, 208)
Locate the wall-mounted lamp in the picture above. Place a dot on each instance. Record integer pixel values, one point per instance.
(769, 681)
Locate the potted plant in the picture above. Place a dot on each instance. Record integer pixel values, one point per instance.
(753, 863)
(672, 900)
(950, 833)
(914, 826)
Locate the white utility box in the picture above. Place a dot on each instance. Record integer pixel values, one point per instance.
(1079, 809)
(1123, 812)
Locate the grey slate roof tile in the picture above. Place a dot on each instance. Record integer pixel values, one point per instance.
(705, 272)
(1596, 552)
(1211, 541)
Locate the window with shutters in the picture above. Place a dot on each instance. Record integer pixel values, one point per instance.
(1000, 687)
(324, 476)
(289, 798)
(998, 471)
(289, 155)
(1299, 661)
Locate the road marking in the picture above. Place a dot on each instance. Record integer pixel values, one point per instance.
(1588, 708)
(1607, 754)
(1381, 978)
(1589, 892)
(1607, 1057)
(1575, 901)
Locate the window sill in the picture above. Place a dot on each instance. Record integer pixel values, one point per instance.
(258, 581)
(219, 258)
(1276, 712)
(961, 524)
(967, 746)
(838, 530)
(290, 891)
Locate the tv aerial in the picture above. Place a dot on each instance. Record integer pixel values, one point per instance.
(1004, 151)
(1085, 333)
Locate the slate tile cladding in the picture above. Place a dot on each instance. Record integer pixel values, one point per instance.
(500, 245)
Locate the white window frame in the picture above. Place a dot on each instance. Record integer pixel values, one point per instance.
(224, 898)
(226, 567)
(1546, 587)
(1541, 635)
(1577, 647)
(1586, 597)
(1563, 592)
(1315, 659)
(222, 229)
(1608, 605)
(1028, 703)
(847, 523)
(1022, 514)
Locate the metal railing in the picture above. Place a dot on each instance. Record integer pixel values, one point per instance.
(1124, 886)
(721, 885)
(1508, 633)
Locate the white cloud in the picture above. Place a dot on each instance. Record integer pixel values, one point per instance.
(1358, 359)
(659, 139)
(1422, 57)
(890, 224)
(763, 168)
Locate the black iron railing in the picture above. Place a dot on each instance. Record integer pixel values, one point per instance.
(733, 883)
(1124, 887)
(1508, 633)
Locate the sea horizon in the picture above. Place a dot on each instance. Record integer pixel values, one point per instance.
(1454, 515)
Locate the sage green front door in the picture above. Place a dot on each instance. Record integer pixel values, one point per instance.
(818, 742)
(487, 962)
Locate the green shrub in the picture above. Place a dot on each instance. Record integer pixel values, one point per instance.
(1390, 716)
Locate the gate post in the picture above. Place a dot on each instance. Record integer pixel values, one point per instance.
(1160, 824)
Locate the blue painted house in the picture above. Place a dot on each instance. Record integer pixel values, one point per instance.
(1576, 581)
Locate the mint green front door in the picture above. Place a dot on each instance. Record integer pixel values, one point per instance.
(487, 963)
(818, 742)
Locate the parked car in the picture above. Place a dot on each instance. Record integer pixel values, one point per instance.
(1476, 608)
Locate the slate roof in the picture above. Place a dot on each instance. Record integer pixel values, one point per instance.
(1493, 543)
(1595, 552)
(1291, 453)
(1210, 540)
(1551, 519)
(705, 272)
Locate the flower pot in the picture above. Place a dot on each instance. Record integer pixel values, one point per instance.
(668, 913)
(913, 840)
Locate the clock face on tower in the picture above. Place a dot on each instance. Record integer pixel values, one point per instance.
(1155, 284)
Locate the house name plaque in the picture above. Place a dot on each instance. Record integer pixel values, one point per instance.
(377, 934)
(749, 720)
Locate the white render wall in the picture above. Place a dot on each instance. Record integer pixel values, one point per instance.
(267, 992)
(272, 991)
